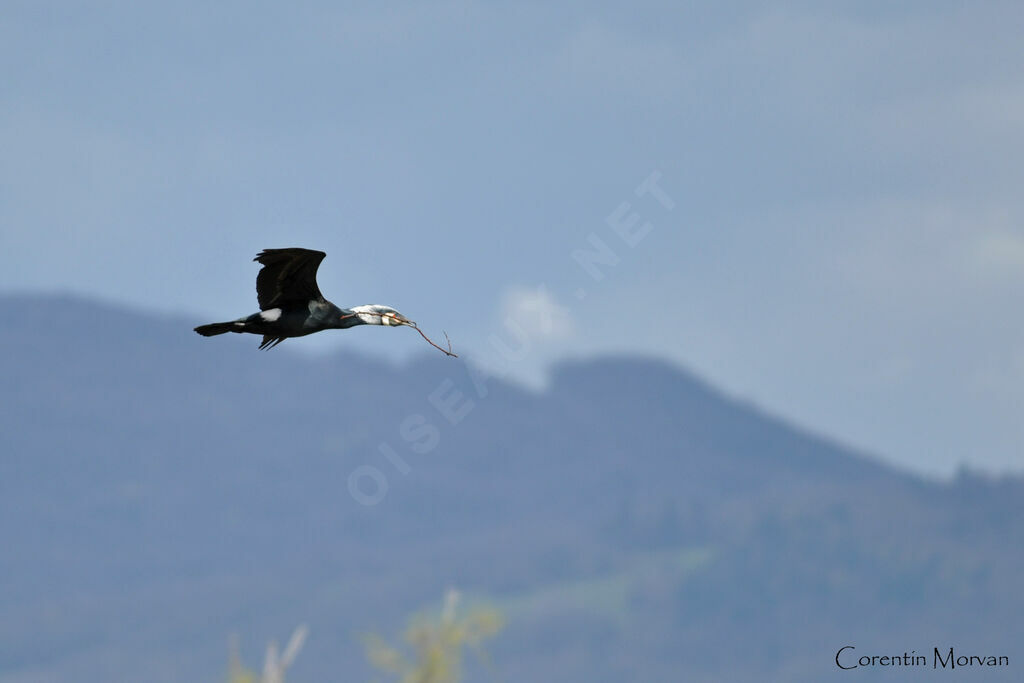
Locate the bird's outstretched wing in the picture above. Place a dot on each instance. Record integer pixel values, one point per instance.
(288, 276)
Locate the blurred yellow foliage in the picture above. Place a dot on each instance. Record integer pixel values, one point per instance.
(437, 644)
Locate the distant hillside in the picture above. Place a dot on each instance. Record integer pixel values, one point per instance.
(159, 491)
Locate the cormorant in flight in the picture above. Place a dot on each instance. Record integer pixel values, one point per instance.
(291, 304)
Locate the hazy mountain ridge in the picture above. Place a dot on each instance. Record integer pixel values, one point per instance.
(160, 490)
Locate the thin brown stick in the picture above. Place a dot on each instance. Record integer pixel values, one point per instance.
(447, 352)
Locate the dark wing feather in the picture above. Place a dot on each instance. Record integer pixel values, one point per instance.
(270, 341)
(288, 277)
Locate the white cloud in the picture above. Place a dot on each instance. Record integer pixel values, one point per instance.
(1002, 249)
(536, 312)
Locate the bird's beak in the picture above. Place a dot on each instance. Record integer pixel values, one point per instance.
(399, 319)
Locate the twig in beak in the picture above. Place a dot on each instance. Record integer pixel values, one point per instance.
(447, 352)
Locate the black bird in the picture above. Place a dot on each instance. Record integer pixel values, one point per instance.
(291, 304)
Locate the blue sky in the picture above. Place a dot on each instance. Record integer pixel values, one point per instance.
(845, 246)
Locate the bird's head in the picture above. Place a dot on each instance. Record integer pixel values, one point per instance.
(375, 314)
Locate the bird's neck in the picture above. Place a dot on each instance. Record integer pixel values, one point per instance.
(358, 315)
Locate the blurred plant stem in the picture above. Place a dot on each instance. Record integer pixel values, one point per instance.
(274, 663)
(437, 644)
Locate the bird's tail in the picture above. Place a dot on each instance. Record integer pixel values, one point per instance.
(215, 329)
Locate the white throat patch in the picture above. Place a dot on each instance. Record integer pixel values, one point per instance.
(371, 314)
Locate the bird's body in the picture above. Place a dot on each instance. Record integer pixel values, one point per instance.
(291, 304)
